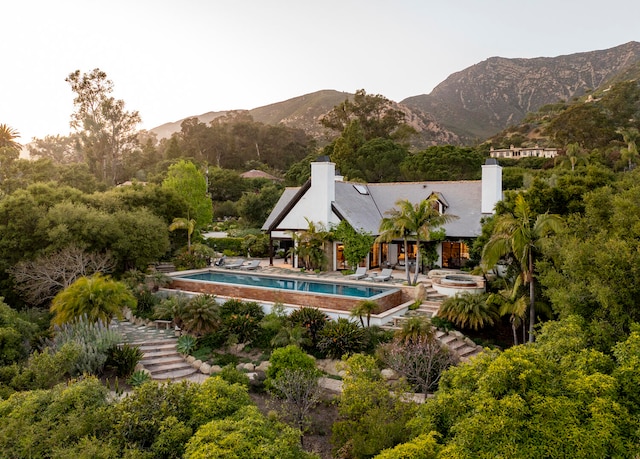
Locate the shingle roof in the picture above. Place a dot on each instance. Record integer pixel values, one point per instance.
(365, 211)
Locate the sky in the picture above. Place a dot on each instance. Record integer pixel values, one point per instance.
(171, 59)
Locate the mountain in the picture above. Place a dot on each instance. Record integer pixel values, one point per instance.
(471, 105)
(485, 98)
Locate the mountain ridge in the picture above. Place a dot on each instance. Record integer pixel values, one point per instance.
(470, 105)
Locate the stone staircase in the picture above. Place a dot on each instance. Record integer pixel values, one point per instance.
(160, 356)
(462, 346)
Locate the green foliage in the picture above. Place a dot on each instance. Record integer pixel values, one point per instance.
(310, 319)
(341, 337)
(94, 341)
(247, 434)
(256, 245)
(217, 399)
(230, 246)
(138, 378)
(15, 335)
(38, 422)
(234, 376)
(290, 357)
(47, 368)
(172, 308)
(97, 297)
(189, 183)
(364, 308)
(201, 314)
(372, 417)
(445, 162)
(241, 319)
(138, 418)
(309, 246)
(254, 208)
(424, 446)
(469, 310)
(170, 442)
(123, 359)
(356, 244)
(186, 344)
(499, 404)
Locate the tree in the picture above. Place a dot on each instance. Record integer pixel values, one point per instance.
(300, 392)
(189, 183)
(574, 155)
(107, 130)
(309, 246)
(364, 308)
(247, 434)
(510, 301)
(97, 297)
(59, 149)
(375, 113)
(357, 244)
(630, 136)
(183, 223)
(469, 310)
(8, 137)
(521, 234)
(373, 415)
(41, 279)
(413, 220)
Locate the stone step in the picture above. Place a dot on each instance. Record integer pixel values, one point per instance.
(455, 345)
(448, 339)
(174, 375)
(160, 354)
(162, 360)
(467, 351)
(147, 346)
(166, 368)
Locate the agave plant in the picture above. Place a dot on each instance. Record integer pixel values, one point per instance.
(138, 378)
(186, 344)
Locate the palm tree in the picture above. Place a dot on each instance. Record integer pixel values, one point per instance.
(184, 223)
(364, 308)
(630, 136)
(414, 329)
(521, 234)
(201, 315)
(309, 246)
(468, 310)
(413, 220)
(510, 300)
(98, 297)
(574, 155)
(8, 137)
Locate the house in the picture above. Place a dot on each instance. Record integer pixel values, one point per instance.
(327, 199)
(524, 152)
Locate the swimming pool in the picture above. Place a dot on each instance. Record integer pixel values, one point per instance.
(288, 290)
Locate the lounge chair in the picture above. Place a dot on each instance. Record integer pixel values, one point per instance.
(361, 273)
(234, 264)
(385, 275)
(251, 265)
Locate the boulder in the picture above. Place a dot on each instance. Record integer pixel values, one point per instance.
(388, 374)
(196, 364)
(263, 366)
(215, 369)
(205, 369)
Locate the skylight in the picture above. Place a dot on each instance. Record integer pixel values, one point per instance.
(361, 189)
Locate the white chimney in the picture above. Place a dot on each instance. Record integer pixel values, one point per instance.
(323, 189)
(491, 185)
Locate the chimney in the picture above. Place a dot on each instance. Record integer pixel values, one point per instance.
(323, 190)
(491, 185)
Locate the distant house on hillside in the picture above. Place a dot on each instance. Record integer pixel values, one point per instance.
(327, 199)
(529, 152)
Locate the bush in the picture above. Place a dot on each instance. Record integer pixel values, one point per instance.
(123, 359)
(146, 303)
(288, 358)
(230, 246)
(138, 378)
(172, 308)
(342, 338)
(234, 376)
(241, 320)
(224, 359)
(200, 315)
(186, 344)
(311, 319)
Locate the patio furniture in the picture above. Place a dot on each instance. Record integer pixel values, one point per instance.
(251, 265)
(385, 275)
(234, 264)
(361, 273)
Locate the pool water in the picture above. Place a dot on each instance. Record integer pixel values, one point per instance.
(298, 285)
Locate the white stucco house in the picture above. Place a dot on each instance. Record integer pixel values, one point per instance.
(327, 199)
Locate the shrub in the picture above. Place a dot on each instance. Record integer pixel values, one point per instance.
(234, 376)
(138, 378)
(311, 319)
(172, 308)
(123, 359)
(241, 320)
(146, 303)
(200, 315)
(288, 358)
(224, 359)
(217, 399)
(94, 339)
(341, 337)
(186, 344)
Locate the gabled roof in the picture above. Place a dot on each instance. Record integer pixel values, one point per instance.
(364, 205)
